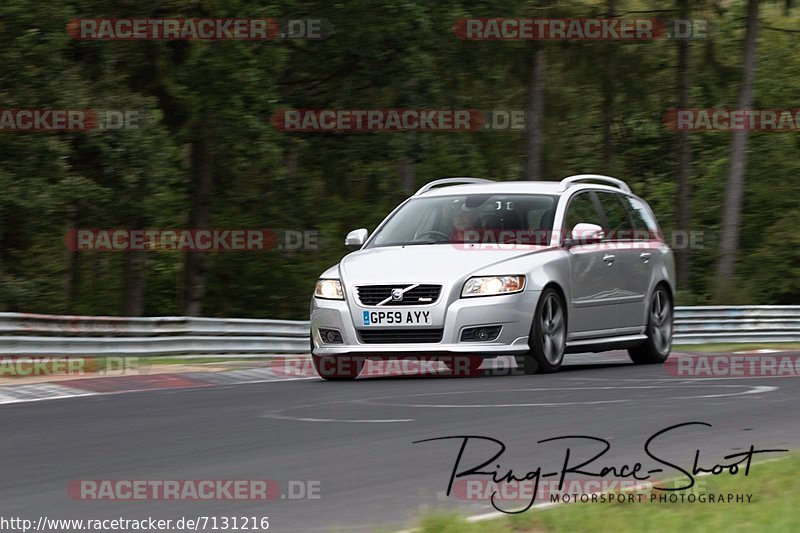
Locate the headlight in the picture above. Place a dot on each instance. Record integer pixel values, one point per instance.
(490, 285)
(330, 289)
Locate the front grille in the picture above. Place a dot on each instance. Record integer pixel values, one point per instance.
(372, 295)
(399, 336)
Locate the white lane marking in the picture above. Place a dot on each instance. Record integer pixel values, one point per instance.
(362, 421)
(681, 379)
(278, 416)
(372, 402)
(655, 380)
(752, 390)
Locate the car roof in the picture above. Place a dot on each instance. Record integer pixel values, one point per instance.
(513, 187)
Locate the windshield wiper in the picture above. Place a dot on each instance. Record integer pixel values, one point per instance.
(413, 243)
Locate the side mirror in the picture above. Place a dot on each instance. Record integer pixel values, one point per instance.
(585, 233)
(356, 238)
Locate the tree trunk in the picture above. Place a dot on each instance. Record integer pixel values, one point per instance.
(73, 271)
(535, 116)
(608, 117)
(407, 172)
(608, 95)
(684, 207)
(737, 164)
(194, 263)
(134, 269)
(289, 186)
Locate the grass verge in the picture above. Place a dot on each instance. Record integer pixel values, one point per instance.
(774, 487)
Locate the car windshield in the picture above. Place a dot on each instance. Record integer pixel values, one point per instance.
(473, 218)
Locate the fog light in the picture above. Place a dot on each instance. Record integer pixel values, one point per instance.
(480, 334)
(330, 336)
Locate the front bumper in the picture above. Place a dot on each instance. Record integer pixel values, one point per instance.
(513, 312)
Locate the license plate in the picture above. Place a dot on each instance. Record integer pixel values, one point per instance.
(405, 317)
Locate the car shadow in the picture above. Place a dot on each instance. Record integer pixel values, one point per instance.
(495, 372)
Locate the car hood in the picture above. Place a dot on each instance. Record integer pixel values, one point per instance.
(440, 263)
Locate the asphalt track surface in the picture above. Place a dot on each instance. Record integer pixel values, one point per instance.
(356, 438)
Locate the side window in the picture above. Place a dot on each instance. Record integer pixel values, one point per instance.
(643, 220)
(619, 223)
(540, 217)
(581, 209)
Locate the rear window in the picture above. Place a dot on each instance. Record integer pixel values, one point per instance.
(619, 225)
(643, 220)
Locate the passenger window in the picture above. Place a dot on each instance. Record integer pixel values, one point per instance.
(619, 223)
(581, 210)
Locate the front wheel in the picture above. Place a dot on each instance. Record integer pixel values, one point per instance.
(339, 368)
(656, 348)
(548, 336)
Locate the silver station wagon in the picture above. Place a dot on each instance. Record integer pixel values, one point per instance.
(468, 269)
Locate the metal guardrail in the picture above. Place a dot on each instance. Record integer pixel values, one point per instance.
(31, 334)
(739, 324)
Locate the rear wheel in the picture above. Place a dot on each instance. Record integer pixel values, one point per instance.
(463, 365)
(548, 336)
(339, 368)
(656, 348)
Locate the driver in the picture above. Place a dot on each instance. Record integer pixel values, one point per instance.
(464, 224)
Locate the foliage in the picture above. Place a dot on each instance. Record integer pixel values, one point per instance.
(401, 53)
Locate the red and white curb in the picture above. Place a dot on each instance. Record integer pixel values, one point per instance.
(35, 392)
(38, 392)
(285, 370)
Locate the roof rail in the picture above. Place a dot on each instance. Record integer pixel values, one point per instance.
(450, 181)
(567, 182)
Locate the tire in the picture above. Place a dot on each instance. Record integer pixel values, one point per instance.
(660, 313)
(463, 365)
(339, 368)
(548, 336)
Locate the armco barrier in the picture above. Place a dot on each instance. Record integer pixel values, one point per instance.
(31, 334)
(745, 324)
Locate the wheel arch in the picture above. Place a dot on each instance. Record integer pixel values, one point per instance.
(668, 285)
(561, 294)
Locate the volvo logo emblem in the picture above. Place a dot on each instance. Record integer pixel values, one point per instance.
(397, 295)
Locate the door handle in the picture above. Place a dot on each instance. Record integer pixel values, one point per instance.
(645, 257)
(609, 258)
